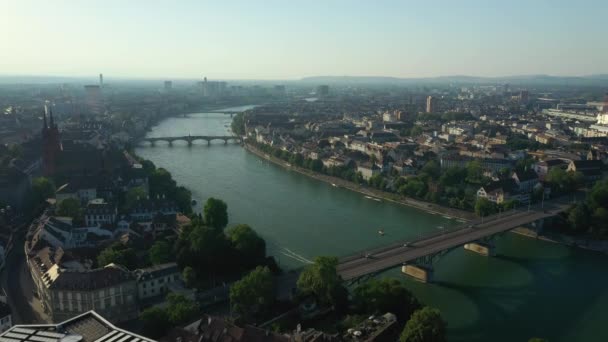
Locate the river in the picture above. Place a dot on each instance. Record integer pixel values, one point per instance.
(532, 288)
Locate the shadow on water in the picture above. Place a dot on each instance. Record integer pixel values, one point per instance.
(560, 292)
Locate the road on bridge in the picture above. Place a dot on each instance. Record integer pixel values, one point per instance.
(396, 254)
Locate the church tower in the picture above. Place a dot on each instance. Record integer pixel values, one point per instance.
(51, 145)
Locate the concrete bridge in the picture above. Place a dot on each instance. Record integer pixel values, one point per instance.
(416, 256)
(192, 138)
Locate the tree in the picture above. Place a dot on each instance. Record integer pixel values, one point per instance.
(579, 218)
(425, 325)
(133, 195)
(452, 176)
(183, 199)
(160, 252)
(216, 213)
(205, 246)
(538, 339)
(180, 309)
(248, 243)
(321, 280)
(474, 171)
(161, 183)
(385, 295)
(254, 293)
(432, 169)
(155, 322)
(189, 276)
(118, 254)
(70, 207)
(483, 207)
(42, 189)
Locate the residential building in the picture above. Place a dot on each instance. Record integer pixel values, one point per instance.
(525, 180)
(154, 281)
(99, 213)
(591, 169)
(216, 329)
(6, 317)
(66, 287)
(368, 170)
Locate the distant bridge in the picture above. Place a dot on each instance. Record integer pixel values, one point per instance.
(190, 139)
(421, 253)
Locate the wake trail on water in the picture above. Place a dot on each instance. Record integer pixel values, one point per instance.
(291, 254)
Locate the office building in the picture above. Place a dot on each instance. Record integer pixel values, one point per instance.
(431, 103)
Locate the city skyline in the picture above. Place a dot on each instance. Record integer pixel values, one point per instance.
(242, 40)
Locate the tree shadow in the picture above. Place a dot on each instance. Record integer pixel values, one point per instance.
(557, 295)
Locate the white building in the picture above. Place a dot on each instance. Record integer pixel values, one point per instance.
(154, 281)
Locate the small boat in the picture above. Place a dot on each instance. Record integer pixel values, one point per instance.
(377, 199)
(334, 185)
(381, 232)
(368, 197)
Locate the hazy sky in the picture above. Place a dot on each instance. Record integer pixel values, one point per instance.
(282, 39)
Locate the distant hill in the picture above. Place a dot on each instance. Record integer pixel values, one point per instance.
(590, 80)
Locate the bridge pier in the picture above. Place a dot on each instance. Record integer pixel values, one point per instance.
(485, 249)
(419, 272)
(208, 142)
(225, 141)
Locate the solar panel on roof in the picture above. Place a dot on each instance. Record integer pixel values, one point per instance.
(106, 336)
(24, 330)
(50, 334)
(17, 336)
(115, 337)
(125, 338)
(5, 339)
(42, 339)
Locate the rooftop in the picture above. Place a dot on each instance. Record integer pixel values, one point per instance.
(88, 327)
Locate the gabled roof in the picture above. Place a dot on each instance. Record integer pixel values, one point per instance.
(525, 175)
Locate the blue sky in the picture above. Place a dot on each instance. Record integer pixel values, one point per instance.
(290, 39)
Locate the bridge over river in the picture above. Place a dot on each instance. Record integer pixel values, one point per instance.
(192, 138)
(419, 254)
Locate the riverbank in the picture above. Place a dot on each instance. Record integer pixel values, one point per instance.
(372, 193)
(566, 240)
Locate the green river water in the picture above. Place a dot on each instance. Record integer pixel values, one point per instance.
(531, 288)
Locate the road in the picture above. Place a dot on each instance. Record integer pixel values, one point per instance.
(19, 286)
(396, 254)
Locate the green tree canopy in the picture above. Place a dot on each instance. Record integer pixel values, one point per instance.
(118, 254)
(189, 276)
(483, 207)
(248, 243)
(180, 309)
(42, 189)
(161, 252)
(474, 171)
(70, 207)
(216, 213)
(425, 325)
(161, 183)
(133, 195)
(155, 322)
(385, 295)
(254, 293)
(321, 280)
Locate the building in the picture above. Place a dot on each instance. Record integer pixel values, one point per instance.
(375, 329)
(368, 170)
(51, 145)
(155, 281)
(6, 317)
(66, 288)
(590, 169)
(86, 327)
(94, 99)
(216, 329)
(431, 103)
(544, 167)
(525, 180)
(99, 213)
